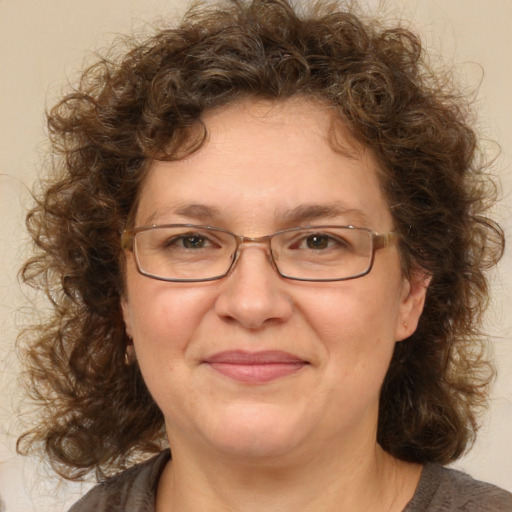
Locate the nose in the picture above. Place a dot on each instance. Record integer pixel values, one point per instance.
(253, 294)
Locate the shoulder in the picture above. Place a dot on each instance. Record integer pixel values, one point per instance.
(448, 490)
(133, 490)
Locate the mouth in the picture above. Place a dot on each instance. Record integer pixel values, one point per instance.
(255, 367)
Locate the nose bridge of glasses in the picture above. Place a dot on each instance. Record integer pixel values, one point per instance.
(262, 241)
(258, 240)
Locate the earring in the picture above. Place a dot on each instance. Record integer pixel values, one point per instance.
(129, 355)
(405, 325)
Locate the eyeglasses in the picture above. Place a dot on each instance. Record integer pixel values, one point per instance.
(190, 253)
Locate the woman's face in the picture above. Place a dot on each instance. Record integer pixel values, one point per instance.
(206, 349)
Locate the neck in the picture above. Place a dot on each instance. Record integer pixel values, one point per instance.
(353, 480)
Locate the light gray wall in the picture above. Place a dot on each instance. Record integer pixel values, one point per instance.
(43, 43)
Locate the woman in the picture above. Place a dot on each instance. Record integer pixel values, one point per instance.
(265, 243)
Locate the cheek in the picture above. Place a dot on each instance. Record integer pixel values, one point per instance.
(359, 315)
(357, 328)
(162, 317)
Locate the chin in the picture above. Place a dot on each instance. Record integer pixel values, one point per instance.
(255, 432)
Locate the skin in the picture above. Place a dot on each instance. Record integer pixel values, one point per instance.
(305, 441)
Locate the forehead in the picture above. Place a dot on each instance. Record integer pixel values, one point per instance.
(265, 159)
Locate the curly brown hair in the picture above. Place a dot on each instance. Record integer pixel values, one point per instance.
(128, 110)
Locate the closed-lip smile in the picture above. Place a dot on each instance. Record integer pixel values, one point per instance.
(255, 367)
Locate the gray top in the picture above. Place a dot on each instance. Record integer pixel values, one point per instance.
(447, 490)
(439, 490)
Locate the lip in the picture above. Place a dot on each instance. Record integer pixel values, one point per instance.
(255, 367)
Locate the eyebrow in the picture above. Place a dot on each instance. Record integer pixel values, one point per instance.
(310, 212)
(301, 214)
(199, 212)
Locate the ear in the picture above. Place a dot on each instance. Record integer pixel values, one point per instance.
(126, 316)
(411, 303)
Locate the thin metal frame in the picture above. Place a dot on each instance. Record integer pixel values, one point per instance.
(379, 241)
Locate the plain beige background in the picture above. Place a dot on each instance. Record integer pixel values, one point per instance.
(43, 43)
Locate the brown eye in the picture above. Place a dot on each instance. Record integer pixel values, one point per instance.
(194, 241)
(318, 241)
